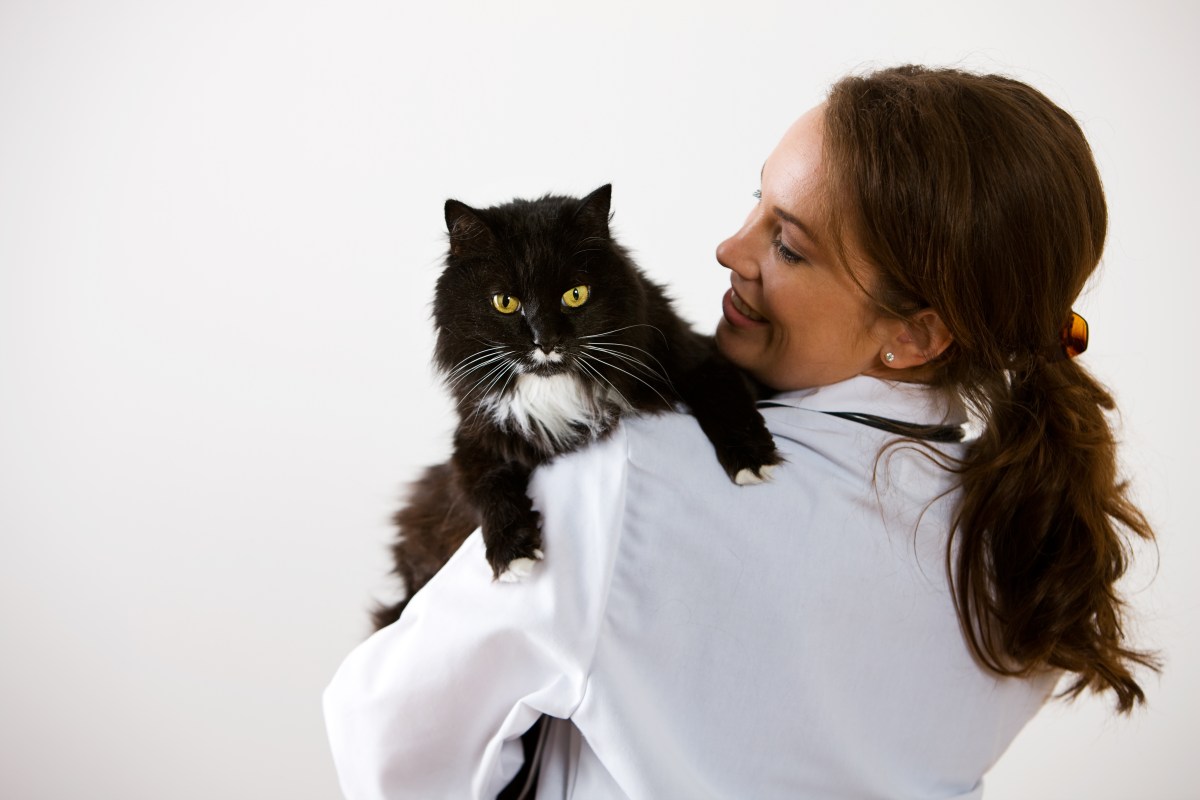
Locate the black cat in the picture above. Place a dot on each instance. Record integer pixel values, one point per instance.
(546, 334)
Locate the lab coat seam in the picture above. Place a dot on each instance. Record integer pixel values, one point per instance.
(602, 612)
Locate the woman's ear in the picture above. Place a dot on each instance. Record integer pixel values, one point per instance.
(916, 341)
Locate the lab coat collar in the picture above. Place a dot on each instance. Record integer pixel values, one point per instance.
(908, 402)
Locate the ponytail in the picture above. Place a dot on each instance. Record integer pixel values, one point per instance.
(977, 197)
(1039, 540)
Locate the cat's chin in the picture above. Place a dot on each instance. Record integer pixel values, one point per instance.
(547, 370)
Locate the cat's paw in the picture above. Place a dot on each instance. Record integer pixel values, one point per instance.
(748, 464)
(514, 554)
(750, 477)
(520, 568)
(746, 451)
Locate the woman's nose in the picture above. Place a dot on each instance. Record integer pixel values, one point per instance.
(734, 253)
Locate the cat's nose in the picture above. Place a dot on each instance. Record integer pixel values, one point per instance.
(544, 336)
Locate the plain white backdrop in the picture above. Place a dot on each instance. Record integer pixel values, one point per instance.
(220, 223)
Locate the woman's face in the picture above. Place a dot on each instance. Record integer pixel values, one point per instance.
(794, 317)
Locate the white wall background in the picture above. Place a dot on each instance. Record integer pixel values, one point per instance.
(220, 223)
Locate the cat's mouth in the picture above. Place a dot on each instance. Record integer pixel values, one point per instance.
(539, 356)
(545, 364)
(546, 370)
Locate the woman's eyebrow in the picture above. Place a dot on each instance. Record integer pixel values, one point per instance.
(786, 217)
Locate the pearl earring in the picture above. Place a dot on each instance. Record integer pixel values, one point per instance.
(889, 357)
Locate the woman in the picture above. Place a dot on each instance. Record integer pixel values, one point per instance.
(883, 616)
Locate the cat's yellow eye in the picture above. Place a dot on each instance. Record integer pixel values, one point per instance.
(505, 303)
(574, 298)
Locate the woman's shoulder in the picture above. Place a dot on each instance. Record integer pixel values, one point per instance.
(820, 432)
(671, 439)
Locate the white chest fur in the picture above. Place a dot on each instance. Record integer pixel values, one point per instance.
(558, 411)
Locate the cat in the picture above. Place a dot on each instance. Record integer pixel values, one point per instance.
(547, 333)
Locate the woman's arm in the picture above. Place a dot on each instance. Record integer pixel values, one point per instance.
(425, 707)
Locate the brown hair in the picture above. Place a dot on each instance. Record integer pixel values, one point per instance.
(978, 197)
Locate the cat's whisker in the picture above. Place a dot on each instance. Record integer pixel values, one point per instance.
(633, 361)
(593, 371)
(455, 380)
(511, 373)
(499, 360)
(637, 378)
(496, 371)
(662, 369)
(506, 374)
(500, 392)
(645, 371)
(489, 351)
(627, 327)
(474, 362)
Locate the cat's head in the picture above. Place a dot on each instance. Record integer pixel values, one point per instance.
(540, 287)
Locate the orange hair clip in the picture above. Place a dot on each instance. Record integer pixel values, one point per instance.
(1074, 336)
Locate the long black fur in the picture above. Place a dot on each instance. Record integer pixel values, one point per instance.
(625, 345)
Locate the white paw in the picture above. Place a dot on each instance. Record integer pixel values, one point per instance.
(520, 568)
(747, 477)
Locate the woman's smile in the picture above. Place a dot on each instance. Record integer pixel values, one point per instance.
(738, 312)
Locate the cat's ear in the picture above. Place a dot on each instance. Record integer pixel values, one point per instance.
(467, 231)
(593, 211)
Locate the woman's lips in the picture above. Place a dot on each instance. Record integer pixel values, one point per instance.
(739, 313)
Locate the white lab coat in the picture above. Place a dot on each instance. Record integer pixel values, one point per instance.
(696, 639)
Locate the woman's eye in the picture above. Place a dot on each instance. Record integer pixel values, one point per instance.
(574, 298)
(505, 303)
(787, 254)
(758, 194)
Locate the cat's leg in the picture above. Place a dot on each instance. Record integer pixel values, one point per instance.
(430, 526)
(511, 528)
(722, 401)
(383, 615)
